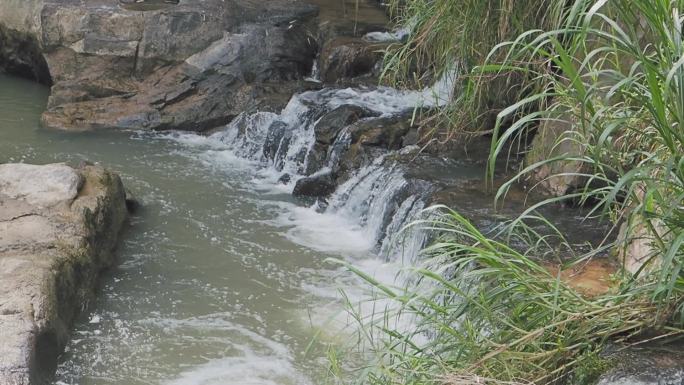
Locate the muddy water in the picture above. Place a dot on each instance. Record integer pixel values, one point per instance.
(223, 277)
(210, 289)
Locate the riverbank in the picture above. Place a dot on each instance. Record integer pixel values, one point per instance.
(58, 229)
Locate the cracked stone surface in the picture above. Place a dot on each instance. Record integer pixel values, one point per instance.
(58, 228)
(194, 65)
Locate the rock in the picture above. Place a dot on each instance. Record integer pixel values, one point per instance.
(646, 366)
(20, 55)
(356, 157)
(315, 186)
(559, 177)
(637, 246)
(327, 130)
(132, 202)
(345, 58)
(330, 125)
(411, 138)
(41, 186)
(386, 132)
(156, 65)
(284, 179)
(276, 136)
(58, 227)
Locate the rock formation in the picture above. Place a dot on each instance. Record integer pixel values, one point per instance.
(58, 227)
(155, 65)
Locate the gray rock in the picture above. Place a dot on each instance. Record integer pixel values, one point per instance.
(559, 177)
(42, 186)
(386, 132)
(646, 366)
(154, 65)
(58, 227)
(346, 58)
(330, 125)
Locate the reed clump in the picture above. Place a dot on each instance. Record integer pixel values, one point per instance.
(484, 311)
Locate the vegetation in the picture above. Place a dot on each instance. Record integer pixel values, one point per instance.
(447, 34)
(612, 73)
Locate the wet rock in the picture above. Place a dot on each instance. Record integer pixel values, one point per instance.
(367, 137)
(133, 204)
(356, 157)
(285, 179)
(646, 366)
(278, 135)
(386, 132)
(328, 129)
(315, 186)
(411, 138)
(58, 227)
(20, 54)
(192, 65)
(330, 125)
(316, 159)
(345, 58)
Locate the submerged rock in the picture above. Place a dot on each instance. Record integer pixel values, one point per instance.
(157, 65)
(58, 227)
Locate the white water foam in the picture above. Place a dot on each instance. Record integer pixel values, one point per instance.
(363, 221)
(253, 358)
(246, 370)
(374, 202)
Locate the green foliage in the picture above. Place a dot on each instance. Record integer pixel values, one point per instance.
(486, 312)
(615, 75)
(483, 311)
(590, 367)
(460, 33)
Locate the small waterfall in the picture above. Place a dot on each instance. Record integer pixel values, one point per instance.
(372, 196)
(377, 200)
(403, 241)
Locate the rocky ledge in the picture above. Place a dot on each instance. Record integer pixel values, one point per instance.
(156, 64)
(58, 228)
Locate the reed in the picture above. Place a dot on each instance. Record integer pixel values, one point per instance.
(484, 311)
(447, 33)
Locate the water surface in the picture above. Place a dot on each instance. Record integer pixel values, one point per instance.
(210, 288)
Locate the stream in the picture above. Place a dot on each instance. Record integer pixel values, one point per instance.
(223, 276)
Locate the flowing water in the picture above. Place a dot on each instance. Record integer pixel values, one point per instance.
(223, 276)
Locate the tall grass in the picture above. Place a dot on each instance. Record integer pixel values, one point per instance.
(449, 33)
(487, 312)
(615, 75)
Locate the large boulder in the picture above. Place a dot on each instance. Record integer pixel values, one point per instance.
(556, 139)
(155, 64)
(58, 228)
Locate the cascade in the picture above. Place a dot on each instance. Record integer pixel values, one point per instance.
(377, 200)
